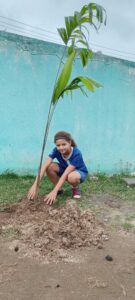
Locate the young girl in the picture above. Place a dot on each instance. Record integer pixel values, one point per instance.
(70, 167)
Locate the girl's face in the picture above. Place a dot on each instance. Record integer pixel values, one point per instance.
(63, 146)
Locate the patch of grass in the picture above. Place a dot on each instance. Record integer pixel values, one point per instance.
(9, 174)
(13, 188)
(113, 185)
(130, 217)
(127, 226)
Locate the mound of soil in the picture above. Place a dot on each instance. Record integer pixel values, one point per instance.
(48, 229)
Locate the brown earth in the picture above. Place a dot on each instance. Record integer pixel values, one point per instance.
(65, 253)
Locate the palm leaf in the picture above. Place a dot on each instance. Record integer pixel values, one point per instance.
(84, 10)
(84, 57)
(64, 77)
(68, 26)
(85, 54)
(89, 83)
(79, 83)
(92, 13)
(63, 34)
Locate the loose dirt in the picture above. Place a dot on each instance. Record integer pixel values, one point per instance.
(61, 253)
(50, 232)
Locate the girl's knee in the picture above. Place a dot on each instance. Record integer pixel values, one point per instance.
(74, 178)
(53, 168)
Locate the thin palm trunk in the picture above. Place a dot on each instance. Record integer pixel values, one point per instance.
(47, 126)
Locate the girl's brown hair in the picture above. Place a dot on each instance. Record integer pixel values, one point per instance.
(66, 136)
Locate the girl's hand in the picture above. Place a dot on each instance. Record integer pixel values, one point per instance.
(50, 198)
(32, 192)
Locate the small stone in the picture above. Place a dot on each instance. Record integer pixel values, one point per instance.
(129, 181)
(105, 237)
(109, 258)
(100, 246)
(16, 248)
(105, 220)
(58, 285)
(93, 178)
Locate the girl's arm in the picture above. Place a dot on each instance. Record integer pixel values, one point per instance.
(32, 191)
(50, 198)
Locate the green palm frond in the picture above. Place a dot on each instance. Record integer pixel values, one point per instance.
(75, 29)
(81, 82)
(63, 77)
(63, 34)
(92, 14)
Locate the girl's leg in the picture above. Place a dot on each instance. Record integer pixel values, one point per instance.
(74, 178)
(52, 172)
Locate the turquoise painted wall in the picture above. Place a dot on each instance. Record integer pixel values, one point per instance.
(103, 124)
